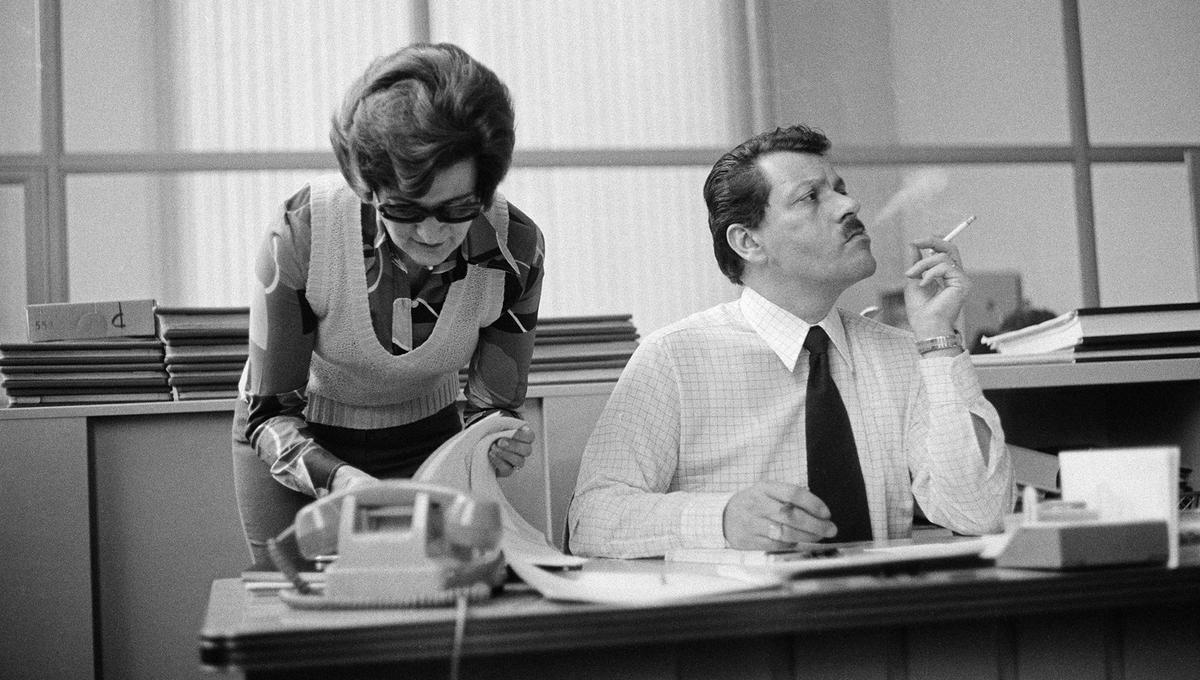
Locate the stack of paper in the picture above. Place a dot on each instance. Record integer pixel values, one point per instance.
(574, 349)
(1106, 333)
(580, 349)
(206, 348)
(83, 372)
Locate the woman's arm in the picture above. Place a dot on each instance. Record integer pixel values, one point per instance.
(282, 335)
(499, 370)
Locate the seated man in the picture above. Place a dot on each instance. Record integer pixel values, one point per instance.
(726, 428)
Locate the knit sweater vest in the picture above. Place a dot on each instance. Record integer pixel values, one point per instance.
(353, 380)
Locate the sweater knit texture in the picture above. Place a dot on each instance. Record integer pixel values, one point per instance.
(355, 382)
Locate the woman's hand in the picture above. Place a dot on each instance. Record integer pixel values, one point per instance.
(507, 454)
(347, 477)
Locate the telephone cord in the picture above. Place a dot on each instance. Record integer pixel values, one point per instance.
(460, 627)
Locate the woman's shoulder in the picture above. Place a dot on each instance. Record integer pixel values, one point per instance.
(525, 238)
(298, 208)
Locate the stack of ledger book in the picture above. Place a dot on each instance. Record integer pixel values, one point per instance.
(1108, 333)
(205, 349)
(64, 372)
(580, 349)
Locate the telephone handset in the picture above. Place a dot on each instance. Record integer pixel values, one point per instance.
(398, 542)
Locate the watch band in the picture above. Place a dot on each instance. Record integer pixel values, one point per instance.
(939, 342)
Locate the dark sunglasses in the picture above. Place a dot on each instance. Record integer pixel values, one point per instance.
(409, 213)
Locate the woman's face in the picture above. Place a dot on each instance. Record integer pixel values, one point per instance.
(430, 228)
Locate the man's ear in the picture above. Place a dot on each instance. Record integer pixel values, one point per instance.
(745, 243)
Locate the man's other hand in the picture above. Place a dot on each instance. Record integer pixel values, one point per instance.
(775, 516)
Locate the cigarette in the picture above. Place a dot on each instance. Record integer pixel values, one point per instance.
(958, 230)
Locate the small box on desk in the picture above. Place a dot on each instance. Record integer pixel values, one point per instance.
(84, 320)
(1077, 545)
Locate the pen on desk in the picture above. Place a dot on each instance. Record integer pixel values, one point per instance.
(958, 230)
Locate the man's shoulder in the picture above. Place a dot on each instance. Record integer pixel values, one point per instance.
(718, 321)
(876, 343)
(863, 327)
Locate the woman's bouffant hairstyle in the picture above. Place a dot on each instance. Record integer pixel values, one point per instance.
(737, 193)
(418, 111)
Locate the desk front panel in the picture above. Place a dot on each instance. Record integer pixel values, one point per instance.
(982, 623)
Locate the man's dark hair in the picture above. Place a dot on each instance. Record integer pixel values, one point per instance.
(418, 111)
(736, 191)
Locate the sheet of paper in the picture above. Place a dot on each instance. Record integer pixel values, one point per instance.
(654, 585)
(462, 463)
(822, 557)
(1127, 484)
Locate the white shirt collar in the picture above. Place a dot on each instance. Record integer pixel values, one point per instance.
(784, 332)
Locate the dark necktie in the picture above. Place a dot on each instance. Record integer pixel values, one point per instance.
(834, 473)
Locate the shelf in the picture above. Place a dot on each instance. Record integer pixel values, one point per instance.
(1026, 376)
(205, 405)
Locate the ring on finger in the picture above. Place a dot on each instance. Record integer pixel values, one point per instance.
(775, 531)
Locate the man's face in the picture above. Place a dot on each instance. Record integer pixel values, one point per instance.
(810, 231)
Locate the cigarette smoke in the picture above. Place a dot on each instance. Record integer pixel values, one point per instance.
(918, 188)
(909, 209)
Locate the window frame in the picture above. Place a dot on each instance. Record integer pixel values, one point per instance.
(45, 174)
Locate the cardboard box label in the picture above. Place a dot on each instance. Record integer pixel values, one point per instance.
(82, 320)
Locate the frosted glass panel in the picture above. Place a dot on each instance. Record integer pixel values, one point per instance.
(622, 240)
(1025, 223)
(182, 239)
(20, 106)
(243, 75)
(921, 71)
(12, 264)
(979, 72)
(1146, 244)
(1140, 62)
(619, 73)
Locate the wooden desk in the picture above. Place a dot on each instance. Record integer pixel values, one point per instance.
(1129, 623)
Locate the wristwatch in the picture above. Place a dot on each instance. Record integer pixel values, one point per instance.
(939, 342)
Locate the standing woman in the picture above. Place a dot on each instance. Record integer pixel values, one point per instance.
(376, 286)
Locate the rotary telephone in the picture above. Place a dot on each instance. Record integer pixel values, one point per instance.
(398, 543)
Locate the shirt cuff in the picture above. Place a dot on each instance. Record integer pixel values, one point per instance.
(702, 521)
(327, 488)
(471, 419)
(951, 380)
(320, 466)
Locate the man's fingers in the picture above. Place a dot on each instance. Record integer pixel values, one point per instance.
(780, 492)
(803, 499)
(798, 525)
(786, 534)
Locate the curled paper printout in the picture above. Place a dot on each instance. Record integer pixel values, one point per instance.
(462, 462)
